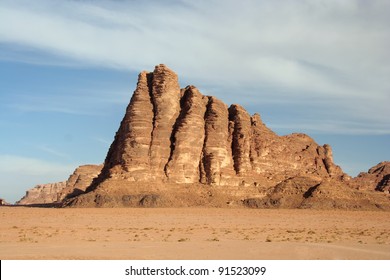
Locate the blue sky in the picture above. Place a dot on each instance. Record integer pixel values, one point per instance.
(69, 68)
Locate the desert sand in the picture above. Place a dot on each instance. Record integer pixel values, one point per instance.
(192, 233)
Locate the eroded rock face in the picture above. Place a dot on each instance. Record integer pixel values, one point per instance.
(142, 146)
(165, 96)
(182, 136)
(217, 160)
(241, 139)
(76, 184)
(188, 138)
(317, 193)
(42, 194)
(177, 147)
(129, 153)
(377, 178)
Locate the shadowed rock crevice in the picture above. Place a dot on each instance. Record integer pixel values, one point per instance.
(217, 159)
(310, 191)
(241, 139)
(172, 138)
(384, 184)
(179, 121)
(205, 160)
(149, 79)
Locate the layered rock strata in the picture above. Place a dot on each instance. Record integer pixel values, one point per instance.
(42, 194)
(177, 147)
(180, 136)
(80, 179)
(216, 166)
(76, 184)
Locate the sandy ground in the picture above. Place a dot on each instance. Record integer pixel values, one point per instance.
(192, 233)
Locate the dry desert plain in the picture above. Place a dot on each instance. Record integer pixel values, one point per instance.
(192, 233)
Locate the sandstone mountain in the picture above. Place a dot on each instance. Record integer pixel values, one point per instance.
(178, 147)
(57, 192)
(178, 135)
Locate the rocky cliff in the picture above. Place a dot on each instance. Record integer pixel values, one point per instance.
(57, 192)
(178, 135)
(42, 194)
(78, 182)
(178, 147)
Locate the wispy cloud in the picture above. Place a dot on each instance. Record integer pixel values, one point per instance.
(105, 142)
(52, 151)
(83, 102)
(331, 127)
(32, 166)
(309, 50)
(19, 174)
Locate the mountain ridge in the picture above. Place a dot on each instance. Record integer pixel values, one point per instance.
(176, 147)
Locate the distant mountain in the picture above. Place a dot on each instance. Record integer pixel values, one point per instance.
(42, 194)
(57, 192)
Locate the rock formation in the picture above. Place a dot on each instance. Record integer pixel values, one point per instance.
(181, 136)
(42, 194)
(57, 192)
(78, 182)
(377, 178)
(216, 166)
(318, 193)
(179, 147)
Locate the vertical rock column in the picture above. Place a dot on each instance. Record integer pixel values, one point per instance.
(128, 154)
(188, 138)
(261, 137)
(166, 107)
(241, 139)
(217, 163)
(333, 170)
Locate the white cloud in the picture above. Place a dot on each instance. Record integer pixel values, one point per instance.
(12, 164)
(329, 50)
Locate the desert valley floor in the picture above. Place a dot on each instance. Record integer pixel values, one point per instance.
(192, 233)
